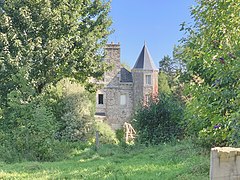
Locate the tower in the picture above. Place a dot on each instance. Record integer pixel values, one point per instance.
(112, 59)
(145, 78)
(114, 102)
(123, 90)
(110, 81)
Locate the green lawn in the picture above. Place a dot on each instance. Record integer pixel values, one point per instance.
(179, 161)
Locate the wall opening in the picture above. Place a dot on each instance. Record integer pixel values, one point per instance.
(123, 99)
(148, 79)
(100, 98)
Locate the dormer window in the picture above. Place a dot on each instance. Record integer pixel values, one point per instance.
(148, 79)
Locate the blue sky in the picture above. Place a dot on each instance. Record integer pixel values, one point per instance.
(155, 21)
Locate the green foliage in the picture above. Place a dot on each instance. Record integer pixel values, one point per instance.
(163, 86)
(52, 40)
(171, 73)
(211, 52)
(107, 135)
(28, 125)
(159, 121)
(74, 107)
(179, 161)
(32, 126)
(165, 64)
(120, 135)
(42, 42)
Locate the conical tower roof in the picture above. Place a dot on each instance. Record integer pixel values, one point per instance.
(144, 60)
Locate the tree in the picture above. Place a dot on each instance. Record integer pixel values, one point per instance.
(42, 42)
(51, 39)
(165, 64)
(211, 52)
(171, 73)
(163, 86)
(180, 65)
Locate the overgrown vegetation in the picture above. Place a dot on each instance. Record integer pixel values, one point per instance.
(159, 121)
(212, 56)
(75, 109)
(107, 135)
(170, 161)
(44, 45)
(46, 114)
(34, 129)
(204, 75)
(27, 126)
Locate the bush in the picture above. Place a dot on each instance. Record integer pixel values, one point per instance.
(74, 108)
(28, 132)
(120, 135)
(159, 121)
(107, 135)
(39, 127)
(213, 120)
(27, 125)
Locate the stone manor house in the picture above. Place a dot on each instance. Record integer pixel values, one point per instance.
(123, 90)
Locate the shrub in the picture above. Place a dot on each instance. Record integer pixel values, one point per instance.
(120, 135)
(159, 121)
(28, 131)
(213, 120)
(32, 125)
(107, 135)
(74, 109)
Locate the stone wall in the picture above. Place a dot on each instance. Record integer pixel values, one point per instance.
(140, 89)
(138, 81)
(112, 58)
(116, 113)
(101, 108)
(225, 163)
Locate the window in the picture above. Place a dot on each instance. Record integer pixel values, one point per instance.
(148, 79)
(100, 98)
(123, 99)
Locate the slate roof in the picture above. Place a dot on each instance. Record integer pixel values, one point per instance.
(144, 60)
(126, 76)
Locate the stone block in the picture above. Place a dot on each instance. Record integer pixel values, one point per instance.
(225, 163)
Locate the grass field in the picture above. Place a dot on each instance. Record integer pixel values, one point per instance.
(170, 161)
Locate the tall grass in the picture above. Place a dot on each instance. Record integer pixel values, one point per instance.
(166, 161)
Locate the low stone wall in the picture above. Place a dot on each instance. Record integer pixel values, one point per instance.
(225, 163)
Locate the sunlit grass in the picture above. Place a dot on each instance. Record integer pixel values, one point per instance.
(178, 161)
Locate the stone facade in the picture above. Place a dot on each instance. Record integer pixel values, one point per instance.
(123, 90)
